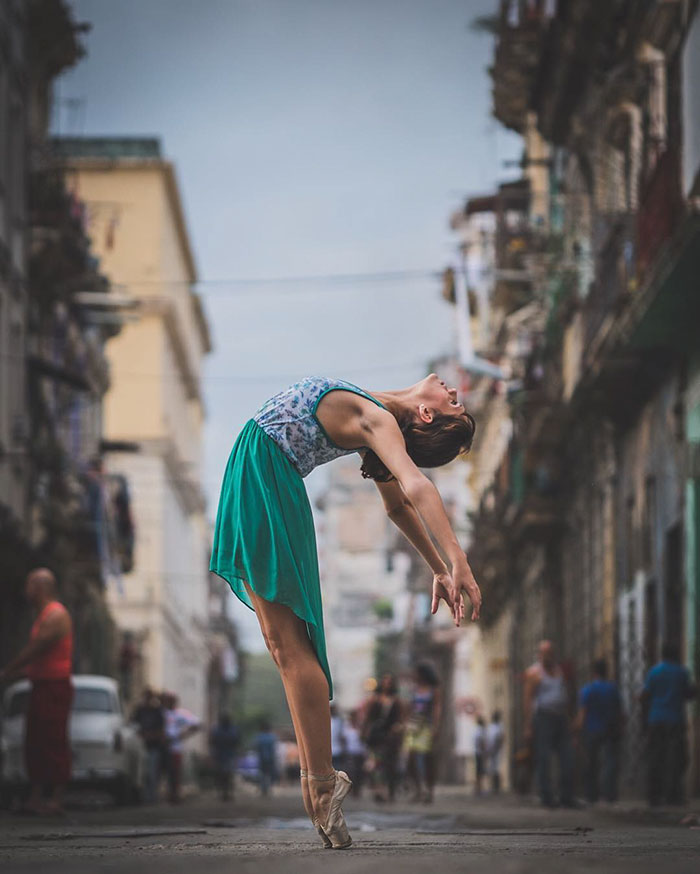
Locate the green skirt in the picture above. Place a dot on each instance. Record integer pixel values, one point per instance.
(265, 534)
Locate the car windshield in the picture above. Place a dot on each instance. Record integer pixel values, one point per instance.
(85, 700)
(94, 701)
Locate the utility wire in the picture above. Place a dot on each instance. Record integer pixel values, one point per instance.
(116, 374)
(257, 281)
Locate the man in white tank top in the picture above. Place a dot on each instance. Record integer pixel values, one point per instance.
(546, 705)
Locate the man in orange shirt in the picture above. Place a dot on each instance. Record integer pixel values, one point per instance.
(47, 661)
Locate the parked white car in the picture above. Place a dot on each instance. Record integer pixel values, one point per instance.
(107, 751)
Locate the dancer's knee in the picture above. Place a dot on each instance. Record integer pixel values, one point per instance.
(290, 654)
(285, 652)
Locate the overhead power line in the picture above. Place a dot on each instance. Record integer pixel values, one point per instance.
(220, 285)
(169, 373)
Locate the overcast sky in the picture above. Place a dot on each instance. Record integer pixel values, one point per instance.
(311, 137)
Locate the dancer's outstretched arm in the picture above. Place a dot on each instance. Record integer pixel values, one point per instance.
(403, 514)
(386, 440)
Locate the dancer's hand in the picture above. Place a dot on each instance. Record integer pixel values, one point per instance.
(464, 581)
(443, 589)
(449, 587)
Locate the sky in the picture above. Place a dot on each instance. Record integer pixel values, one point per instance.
(310, 138)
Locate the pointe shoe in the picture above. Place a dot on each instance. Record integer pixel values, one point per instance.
(327, 845)
(335, 827)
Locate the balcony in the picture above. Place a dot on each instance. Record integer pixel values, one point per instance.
(615, 279)
(660, 209)
(539, 517)
(521, 28)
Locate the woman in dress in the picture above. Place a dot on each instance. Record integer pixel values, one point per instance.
(265, 547)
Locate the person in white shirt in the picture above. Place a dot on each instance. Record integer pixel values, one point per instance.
(494, 747)
(179, 724)
(338, 739)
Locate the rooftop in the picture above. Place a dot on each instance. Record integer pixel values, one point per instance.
(110, 148)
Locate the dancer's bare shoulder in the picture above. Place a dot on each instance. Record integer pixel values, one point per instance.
(349, 418)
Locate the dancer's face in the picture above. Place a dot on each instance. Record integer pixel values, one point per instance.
(435, 396)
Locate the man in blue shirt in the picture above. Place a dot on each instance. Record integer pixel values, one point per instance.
(223, 744)
(666, 690)
(266, 743)
(600, 718)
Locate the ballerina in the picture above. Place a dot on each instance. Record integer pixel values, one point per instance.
(265, 545)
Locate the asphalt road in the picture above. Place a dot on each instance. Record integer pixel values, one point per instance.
(457, 834)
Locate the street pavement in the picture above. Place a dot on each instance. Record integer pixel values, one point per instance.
(458, 833)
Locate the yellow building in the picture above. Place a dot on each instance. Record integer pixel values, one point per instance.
(153, 411)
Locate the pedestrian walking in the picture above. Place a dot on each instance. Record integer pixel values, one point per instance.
(494, 750)
(356, 752)
(149, 716)
(546, 701)
(384, 735)
(479, 754)
(266, 745)
(289, 755)
(223, 745)
(600, 722)
(338, 740)
(264, 542)
(667, 688)
(47, 661)
(179, 725)
(421, 731)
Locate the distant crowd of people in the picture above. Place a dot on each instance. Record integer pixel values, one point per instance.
(389, 741)
(599, 725)
(267, 760)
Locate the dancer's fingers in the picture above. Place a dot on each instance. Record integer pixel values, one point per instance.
(435, 602)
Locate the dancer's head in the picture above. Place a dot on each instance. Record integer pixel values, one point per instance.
(435, 425)
(40, 586)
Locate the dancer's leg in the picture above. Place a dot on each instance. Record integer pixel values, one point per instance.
(306, 689)
(303, 766)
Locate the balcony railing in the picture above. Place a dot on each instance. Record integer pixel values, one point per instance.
(615, 278)
(660, 209)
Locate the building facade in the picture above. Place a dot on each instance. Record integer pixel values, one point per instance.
(587, 533)
(154, 412)
(56, 507)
